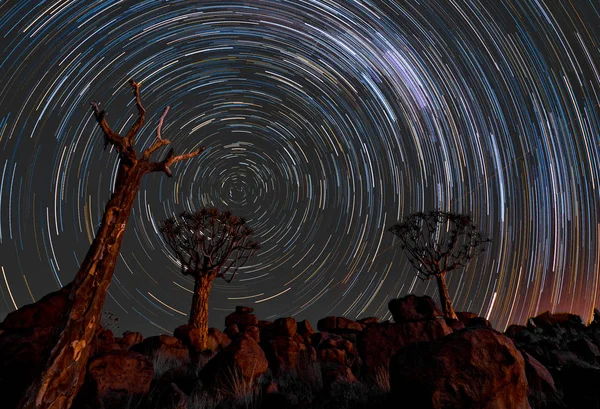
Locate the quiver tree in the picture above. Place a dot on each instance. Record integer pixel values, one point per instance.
(438, 242)
(68, 351)
(208, 244)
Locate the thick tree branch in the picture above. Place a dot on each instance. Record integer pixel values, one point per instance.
(171, 158)
(110, 136)
(141, 111)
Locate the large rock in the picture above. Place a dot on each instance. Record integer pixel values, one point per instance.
(190, 337)
(42, 314)
(242, 317)
(547, 320)
(414, 308)
(339, 325)
(20, 360)
(243, 356)
(478, 368)
(25, 334)
(541, 387)
(114, 378)
(283, 353)
(165, 346)
(379, 342)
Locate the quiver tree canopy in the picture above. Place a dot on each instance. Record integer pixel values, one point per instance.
(437, 242)
(209, 241)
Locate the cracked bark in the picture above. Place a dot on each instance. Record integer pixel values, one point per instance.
(68, 351)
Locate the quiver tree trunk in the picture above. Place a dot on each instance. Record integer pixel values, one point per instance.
(199, 311)
(445, 299)
(66, 358)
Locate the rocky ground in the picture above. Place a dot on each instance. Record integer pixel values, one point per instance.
(420, 360)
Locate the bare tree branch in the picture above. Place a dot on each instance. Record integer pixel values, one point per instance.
(141, 113)
(171, 158)
(110, 136)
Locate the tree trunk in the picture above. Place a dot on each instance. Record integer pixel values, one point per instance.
(65, 366)
(445, 299)
(199, 311)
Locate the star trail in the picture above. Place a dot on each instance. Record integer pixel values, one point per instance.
(325, 122)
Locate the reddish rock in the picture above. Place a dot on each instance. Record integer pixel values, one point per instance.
(115, 377)
(336, 373)
(242, 318)
(285, 327)
(368, 320)
(190, 337)
(20, 360)
(516, 331)
(465, 316)
(263, 324)
(378, 343)
(283, 353)
(131, 338)
(332, 355)
(541, 386)
(548, 320)
(232, 331)
(304, 328)
(478, 368)
(479, 322)
(42, 314)
(253, 332)
(243, 355)
(339, 325)
(414, 308)
(240, 309)
(103, 342)
(455, 325)
(165, 345)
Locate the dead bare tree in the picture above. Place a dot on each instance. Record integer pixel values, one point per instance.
(68, 353)
(438, 242)
(208, 244)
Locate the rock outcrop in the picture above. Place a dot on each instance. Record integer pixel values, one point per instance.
(478, 368)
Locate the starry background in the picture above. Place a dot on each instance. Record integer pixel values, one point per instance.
(326, 121)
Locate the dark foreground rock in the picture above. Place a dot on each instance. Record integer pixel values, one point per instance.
(478, 368)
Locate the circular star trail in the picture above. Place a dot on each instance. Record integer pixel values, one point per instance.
(325, 122)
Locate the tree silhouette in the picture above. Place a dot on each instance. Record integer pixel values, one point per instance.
(208, 244)
(438, 242)
(68, 351)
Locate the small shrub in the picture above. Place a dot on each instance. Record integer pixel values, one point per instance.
(163, 363)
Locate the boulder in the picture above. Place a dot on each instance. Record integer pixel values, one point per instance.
(304, 328)
(339, 325)
(42, 314)
(114, 378)
(547, 320)
(283, 353)
(242, 317)
(286, 327)
(578, 381)
(164, 345)
(585, 349)
(130, 338)
(479, 368)
(20, 360)
(368, 320)
(414, 308)
(336, 373)
(378, 343)
(465, 316)
(243, 355)
(479, 322)
(541, 387)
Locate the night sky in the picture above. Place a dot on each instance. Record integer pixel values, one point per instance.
(325, 121)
